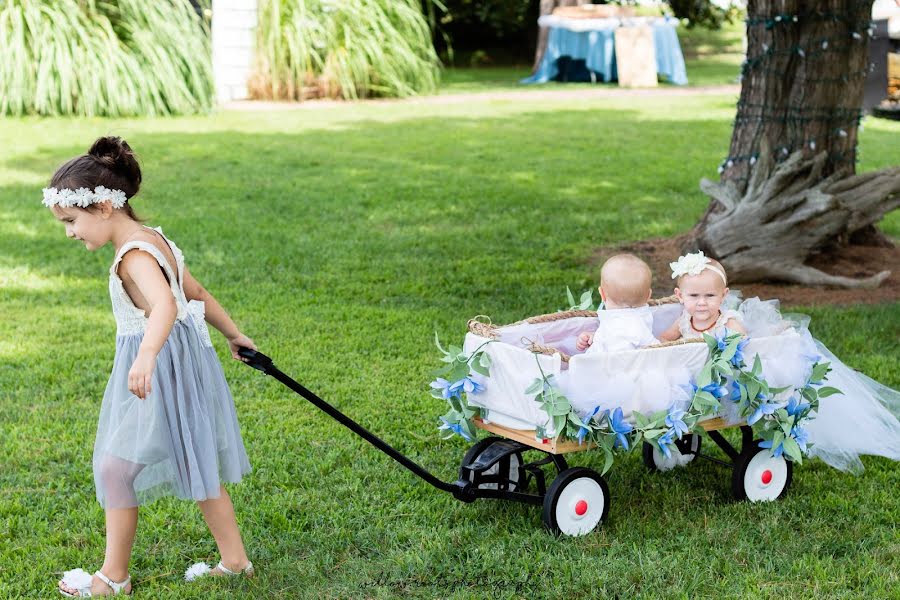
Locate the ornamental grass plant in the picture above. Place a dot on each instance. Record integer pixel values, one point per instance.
(96, 58)
(348, 49)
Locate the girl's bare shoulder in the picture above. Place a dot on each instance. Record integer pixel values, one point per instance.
(132, 261)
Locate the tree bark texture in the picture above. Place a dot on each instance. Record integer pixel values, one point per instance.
(788, 188)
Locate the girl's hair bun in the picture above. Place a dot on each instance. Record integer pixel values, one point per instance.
(115, 154)
(110, 163)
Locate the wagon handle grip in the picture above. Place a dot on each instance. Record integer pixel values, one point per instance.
(256, 359)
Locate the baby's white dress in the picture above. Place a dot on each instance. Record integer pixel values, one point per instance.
(623, 329)
(620, 332)
(183, 439)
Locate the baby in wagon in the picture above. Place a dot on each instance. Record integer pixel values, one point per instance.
(626, 322)
(702, 286)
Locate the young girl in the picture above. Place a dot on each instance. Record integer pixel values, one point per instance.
(167, 421)
(701, 288)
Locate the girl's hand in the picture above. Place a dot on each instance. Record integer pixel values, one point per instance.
(141, 374)
(240, 341)
(584, 340)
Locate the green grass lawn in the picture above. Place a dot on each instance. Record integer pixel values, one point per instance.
(341, 239)
(711, 58)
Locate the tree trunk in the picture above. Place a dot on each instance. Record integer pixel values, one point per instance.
(547, 7)
(788, 188)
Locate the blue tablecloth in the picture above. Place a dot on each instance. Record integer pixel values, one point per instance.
(598, 50)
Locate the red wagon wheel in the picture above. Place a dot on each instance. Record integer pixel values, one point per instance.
(758, 476)
(576, 503)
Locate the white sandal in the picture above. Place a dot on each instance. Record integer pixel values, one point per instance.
(80, 581)
(201, 569)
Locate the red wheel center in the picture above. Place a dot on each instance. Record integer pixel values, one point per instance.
(581, 508)
(766, 477)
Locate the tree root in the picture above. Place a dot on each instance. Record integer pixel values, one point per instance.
(789, 211)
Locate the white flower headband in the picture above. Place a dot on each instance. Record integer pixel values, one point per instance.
(83, 197)
(694, 264)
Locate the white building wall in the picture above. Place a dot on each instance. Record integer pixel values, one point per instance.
(233, 42)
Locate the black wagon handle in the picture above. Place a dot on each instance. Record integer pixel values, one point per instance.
(256, 359)
(261, 362)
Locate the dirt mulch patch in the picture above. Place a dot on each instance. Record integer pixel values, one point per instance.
(849, 261)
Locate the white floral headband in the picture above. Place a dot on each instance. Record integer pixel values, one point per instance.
(694, 264)
(83, 197)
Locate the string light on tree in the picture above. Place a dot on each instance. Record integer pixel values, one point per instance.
(770, 61)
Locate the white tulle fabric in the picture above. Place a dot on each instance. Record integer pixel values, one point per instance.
(862, 421)
(183, 439)
(675, 460)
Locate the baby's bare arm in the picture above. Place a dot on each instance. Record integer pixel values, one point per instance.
(671, 334)
(735, 325)
(585, 339)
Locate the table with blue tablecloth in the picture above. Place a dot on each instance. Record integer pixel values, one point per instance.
(593, 41)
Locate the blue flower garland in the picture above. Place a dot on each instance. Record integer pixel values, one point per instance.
(779, 424)
(454, 383)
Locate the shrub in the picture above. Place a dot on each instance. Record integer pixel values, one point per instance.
(346, 48)
(89, 57)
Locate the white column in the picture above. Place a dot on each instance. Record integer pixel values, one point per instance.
(233, 43)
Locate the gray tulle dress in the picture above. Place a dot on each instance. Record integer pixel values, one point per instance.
(183, 439)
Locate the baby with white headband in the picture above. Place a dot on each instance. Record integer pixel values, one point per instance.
(701, 288)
